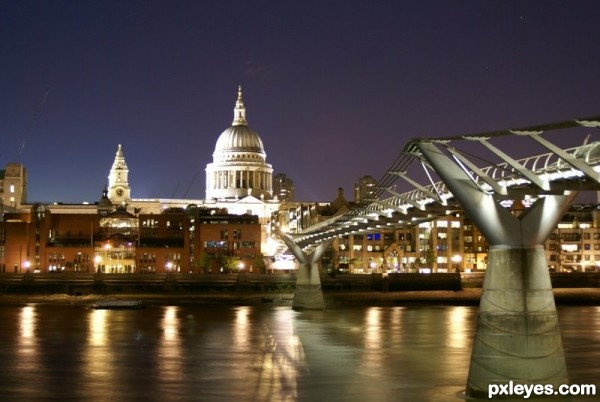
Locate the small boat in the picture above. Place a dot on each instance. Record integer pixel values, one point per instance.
(118, 305)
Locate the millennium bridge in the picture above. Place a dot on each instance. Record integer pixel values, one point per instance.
(517, 336)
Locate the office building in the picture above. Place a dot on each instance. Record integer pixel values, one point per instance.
(283, 187)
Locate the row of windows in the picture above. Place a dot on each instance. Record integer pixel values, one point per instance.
(573, 248)
(11, 188)
(402, 236)
(148, 258)
(81, 258)
(238, 156)
(359, 247)
(54, 258)
(575, 236)
(575, 258)
(236, 233)
(224, 245)
(174, 257)
(178, 225)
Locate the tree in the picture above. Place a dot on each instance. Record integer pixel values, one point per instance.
(201, 262)
(231, 263)
(430, 257)
(259, 263)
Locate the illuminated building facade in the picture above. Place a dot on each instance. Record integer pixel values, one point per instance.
(363, 187)
(574, 245)
(283, 187)
(177, 240)
(13, 185)
(446, 244)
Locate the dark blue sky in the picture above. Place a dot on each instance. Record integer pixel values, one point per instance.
(334, 88)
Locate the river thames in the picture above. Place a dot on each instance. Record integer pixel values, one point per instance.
(256, 353)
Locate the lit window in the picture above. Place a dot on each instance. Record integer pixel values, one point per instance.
(570, 248)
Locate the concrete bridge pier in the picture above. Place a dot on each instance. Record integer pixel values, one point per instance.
(308, 294)
(517, 336)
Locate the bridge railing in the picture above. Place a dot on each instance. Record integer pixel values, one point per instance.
(384, 199)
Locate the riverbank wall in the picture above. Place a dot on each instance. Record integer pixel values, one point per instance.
(81, 284)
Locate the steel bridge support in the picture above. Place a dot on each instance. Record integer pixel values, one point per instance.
(308, 294)
(517, 336)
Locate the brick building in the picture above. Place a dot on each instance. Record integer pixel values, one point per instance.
(96, 240)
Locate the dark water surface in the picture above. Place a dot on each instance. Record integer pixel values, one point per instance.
(271, 353)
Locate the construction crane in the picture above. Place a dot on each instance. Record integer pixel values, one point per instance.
(32, 121)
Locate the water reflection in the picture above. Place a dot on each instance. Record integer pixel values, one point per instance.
(169, 347)
(280, 354)
(248, 354)
(372, 342)
(97, 328)
(241, 328)
(27, 344)
(97, 367)
(458, 332)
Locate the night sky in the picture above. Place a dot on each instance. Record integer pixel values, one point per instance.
(334, 88)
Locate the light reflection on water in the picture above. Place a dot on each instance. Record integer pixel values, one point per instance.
(98, 356)
(169, 346)
(220, 353)
(27, 347)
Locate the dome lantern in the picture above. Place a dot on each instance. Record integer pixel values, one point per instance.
(239, 113)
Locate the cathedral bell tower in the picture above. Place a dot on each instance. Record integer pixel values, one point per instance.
(119, 191)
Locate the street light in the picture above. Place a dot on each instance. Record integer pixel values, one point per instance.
(456, 259)
(97, 261)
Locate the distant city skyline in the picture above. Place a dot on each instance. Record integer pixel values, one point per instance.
(335, 90)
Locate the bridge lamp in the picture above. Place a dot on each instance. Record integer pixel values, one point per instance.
(26, 264)
(169, 266)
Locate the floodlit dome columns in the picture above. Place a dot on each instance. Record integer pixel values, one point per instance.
(242, 177)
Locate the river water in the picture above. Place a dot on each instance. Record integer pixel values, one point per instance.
(257, 353)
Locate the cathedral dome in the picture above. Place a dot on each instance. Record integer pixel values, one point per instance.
(239, 166)
(239, 138)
